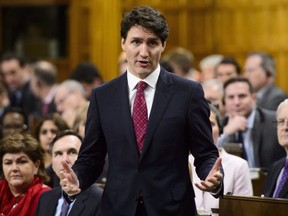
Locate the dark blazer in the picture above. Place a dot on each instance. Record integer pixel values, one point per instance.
(87, 202)
(264, 137)
(178, 123)
(271, 180)
(27, 101)
(272, 98)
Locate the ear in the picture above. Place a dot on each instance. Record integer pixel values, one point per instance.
(123, 44)
(163, 46)
(36, 167)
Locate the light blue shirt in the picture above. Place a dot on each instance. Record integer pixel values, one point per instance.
(59, 206)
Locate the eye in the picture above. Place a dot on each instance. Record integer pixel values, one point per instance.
(44, 132)
(136, 42)
(7, 162)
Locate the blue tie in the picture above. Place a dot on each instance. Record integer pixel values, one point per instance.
(283, 180)
(64, 208)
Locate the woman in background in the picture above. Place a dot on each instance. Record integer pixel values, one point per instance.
(45, 132)
(23, 173)
(237, 180)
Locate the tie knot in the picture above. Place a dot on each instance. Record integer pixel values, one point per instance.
(141, 86)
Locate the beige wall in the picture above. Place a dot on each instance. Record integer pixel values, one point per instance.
(228, 27)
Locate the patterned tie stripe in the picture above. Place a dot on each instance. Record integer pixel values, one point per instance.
(140, 116)
(283, 180)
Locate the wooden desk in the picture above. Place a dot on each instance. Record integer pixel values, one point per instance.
(252, 206)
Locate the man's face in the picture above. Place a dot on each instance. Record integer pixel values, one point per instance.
(143, 51)
(13, 74)
(214, 95)
(255, 73)
(65, 100)
(238, 99)
(225, 72)
(282, 129)
(66, 148)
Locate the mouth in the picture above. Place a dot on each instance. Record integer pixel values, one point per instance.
(143, 63)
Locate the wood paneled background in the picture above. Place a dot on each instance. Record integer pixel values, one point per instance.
(204, 27)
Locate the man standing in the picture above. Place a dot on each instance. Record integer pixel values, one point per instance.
(65, 146)
(147, 120)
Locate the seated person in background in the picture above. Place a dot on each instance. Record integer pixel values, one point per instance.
(276, 184)
(260, 70)
(89, 76)
(237, 176)
(45, 132)
(227, 68)
(249, 125)
(181, 61)
(207, 66)
(69, 98)
(23, 168)
(65, 146)
(13, 120)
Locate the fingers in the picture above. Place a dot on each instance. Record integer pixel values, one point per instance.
(68, 180)
(217, 164)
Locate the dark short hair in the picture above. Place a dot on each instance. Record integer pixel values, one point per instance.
(63, 133)
(236, 80)
(13, 56)
(231, 61)
(147, 18)
(13, 109)
(86, 72)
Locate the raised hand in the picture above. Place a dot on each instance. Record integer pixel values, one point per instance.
(68, 180)
(213, 180)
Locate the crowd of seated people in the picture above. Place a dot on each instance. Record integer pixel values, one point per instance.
(33, 102)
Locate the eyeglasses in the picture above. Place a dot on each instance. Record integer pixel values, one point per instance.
(280, 123)
(15, 127)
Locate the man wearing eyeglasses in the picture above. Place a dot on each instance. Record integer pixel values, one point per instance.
(276, 184)
(249, 125)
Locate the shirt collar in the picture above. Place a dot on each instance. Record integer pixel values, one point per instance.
(151, 79)
(251, 118)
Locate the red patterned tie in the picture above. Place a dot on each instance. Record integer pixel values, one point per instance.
(140, 115)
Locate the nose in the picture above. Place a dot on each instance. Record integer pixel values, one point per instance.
(14, 167)
(66, 158)
(144, 51)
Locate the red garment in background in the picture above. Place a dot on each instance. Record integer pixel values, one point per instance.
(24, 205)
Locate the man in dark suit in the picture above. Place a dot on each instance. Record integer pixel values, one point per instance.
(65, 146)
(16, 76)
(276, 184)
(250, 125)
(153, 179)
(44, 85)
(260, 70)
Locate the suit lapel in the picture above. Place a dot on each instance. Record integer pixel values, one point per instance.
(274, 176)
(79, 204)
(52, 201)
(123, 112)
(162, 97)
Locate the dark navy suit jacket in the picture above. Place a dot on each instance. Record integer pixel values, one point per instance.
(178, 124)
